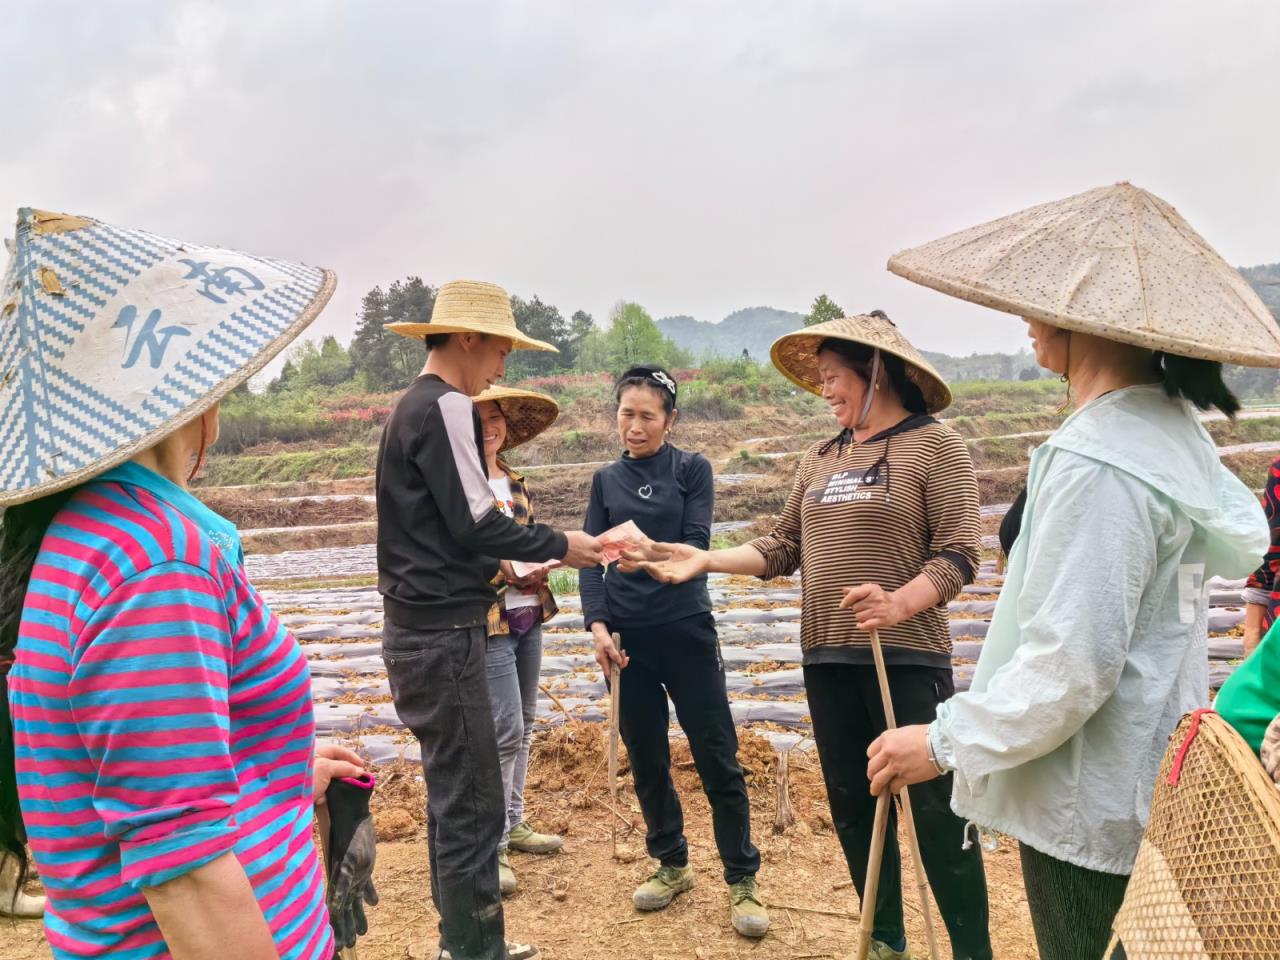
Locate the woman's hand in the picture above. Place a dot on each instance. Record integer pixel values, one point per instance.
(874, 608)
(607, 652)
(523, 584)
(899, 758)
(678, 563)
(333, 762)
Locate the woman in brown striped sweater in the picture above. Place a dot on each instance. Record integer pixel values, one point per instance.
(883, 522)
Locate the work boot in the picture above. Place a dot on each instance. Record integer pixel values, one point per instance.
(524, 839)
(515, 951)
(882, 951)
(506, 876)
(746, 911)
(660, 889)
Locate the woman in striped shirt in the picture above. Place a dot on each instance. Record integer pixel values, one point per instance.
(162, 731)
(883, 522)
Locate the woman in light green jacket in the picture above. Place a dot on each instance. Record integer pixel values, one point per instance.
(1098, 644)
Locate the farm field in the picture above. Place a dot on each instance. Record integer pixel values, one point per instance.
(307, 516)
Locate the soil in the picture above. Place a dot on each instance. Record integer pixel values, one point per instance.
(576, 905)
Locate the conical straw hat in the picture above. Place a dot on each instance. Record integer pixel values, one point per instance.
(527, 413)
(469, 306)
(112, 338)
(1117, 262)
(796, 354)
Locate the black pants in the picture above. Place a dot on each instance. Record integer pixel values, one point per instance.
(1072, 908)
(684, 657)
(844, 702)
(441, 694)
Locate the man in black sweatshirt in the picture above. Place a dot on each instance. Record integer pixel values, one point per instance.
(440, 537)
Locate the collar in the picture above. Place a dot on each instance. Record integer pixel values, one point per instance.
(216, 527)
(510, 471)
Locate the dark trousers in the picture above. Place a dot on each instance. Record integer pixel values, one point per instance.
(844, 702)
(1072, 908)
(684, 658)
(441, 694)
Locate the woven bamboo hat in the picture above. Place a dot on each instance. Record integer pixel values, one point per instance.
(1116, 262)
(796, 354)
(527, 413)
(469, 306)
(110, 339)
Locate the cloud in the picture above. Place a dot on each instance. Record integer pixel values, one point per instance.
(694, 156)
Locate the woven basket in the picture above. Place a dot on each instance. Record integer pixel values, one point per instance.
(1206, 884)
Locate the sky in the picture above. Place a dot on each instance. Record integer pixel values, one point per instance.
(695, 157)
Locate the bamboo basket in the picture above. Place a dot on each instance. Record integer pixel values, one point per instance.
(1206, 885)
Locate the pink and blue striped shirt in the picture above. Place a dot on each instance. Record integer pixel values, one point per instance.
(162, 718)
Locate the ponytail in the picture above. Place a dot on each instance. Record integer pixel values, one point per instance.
(1199, 381)
(22, 530)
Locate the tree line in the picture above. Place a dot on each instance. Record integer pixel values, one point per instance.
(379, 360)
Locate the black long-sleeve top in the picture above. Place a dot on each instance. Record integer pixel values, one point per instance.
(671, 498)
(438, 526)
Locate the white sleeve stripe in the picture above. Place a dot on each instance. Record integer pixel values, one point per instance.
(457, 411)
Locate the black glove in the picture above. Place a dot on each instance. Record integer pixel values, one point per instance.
(352, 850)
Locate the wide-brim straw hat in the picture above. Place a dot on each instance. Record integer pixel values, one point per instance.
(527, 413)
(1116, 262)
(470, 306)
(110, 339)
(796, 355)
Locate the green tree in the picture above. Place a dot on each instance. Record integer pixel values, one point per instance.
(541, 321)
(634, 338)
(823, 309)
(326, 365)
(382, 359)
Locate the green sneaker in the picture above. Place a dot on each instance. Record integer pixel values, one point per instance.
(882, 951)
(746, 911)
(506, 876)
(660, 889)
(524, 839)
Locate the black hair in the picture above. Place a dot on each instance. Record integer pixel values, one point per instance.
(858, 357)
(1199, 381)
(652, 377)
(437, 340)
(22, 530)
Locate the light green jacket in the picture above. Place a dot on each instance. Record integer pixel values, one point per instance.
(1098, 644)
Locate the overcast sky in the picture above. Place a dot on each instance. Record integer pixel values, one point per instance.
(697, 157)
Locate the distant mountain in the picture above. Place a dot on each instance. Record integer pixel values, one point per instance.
(754, 329)
(1266, 280)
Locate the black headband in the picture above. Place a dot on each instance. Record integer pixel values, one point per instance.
(655, 375)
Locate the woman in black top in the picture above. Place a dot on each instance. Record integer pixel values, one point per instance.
(669, 647)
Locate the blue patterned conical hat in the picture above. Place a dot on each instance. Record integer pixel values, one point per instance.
(112, 338)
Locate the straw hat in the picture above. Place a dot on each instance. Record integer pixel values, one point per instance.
(111, 338)
(1116, 262)
(469, 306)
(796, 354)
(527, 413)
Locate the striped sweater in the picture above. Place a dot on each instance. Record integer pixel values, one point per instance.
(885, 510)
(162, 718)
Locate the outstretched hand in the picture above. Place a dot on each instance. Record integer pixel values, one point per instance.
(672, 563)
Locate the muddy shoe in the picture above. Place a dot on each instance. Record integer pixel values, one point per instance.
(524, 839)
(515, 951)
(882, 951)
(506, 876)
(660, 889)
(746, 911)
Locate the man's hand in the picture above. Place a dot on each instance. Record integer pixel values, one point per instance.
(333, 762)
(683, 562)
(899, 758)
(873, 607)
(584, 550)
(607, 651)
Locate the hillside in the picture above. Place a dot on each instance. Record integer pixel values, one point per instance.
(754, 329)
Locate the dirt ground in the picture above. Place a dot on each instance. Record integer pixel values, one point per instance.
(576, 905)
